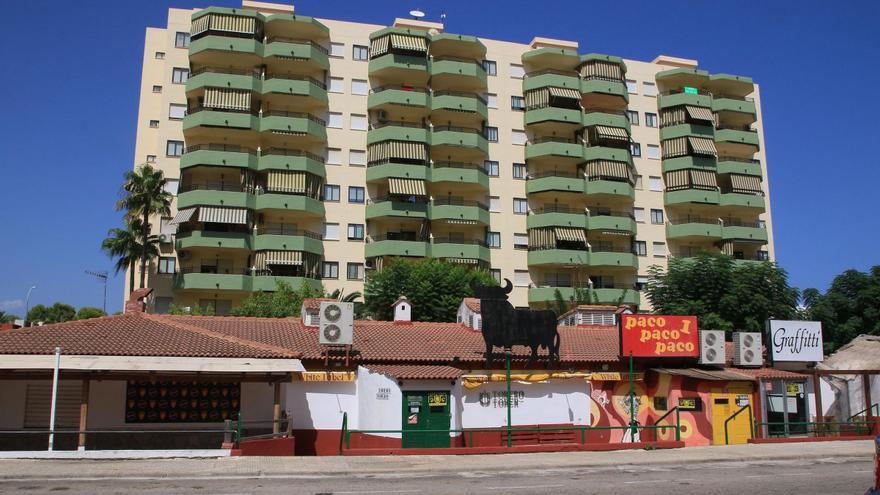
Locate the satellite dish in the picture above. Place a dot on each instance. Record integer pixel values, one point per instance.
(417, 14)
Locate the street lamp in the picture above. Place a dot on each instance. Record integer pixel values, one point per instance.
(27, 304)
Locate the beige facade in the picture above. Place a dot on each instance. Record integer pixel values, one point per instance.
(347, 106)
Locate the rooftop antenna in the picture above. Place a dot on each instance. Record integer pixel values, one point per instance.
(102, 276)
(443, 17)
(416, 14)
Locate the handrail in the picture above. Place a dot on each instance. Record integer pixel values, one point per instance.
(398, 87)
(453, 240)
(298, 115)
(553, 139)
(821, 426)
(232, 148)
(876, 405)
(295, 41)
(470, 130)
(344, 431)
(461, 94)
(725, 158)
(461, 165)
(734, 415)
(291, 152)
(677, 422)
(558, 72)
(391, 123)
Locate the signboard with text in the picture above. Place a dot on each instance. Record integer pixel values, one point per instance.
(795, 340)
(659, 336)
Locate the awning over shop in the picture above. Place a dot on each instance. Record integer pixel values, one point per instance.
(570, 234)
(615, 133)
(746, 184)
(217, 214)
(700, 113)
(409, 43)
(699, 374)
(406, 187)
(227, 99)
(415, 371)
(605, 70)
(183, 216)
(702, 146)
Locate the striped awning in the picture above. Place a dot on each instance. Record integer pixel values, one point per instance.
(704, 179)
(607, 169)
(389, 150)
(542, 238)
(675, 147)
(183, 216)
(224, 22)
(598, 68)
(283, 257)
(570, 234)
(677, 179)
(227, 98)
(379, 47)
(406, 187)
(200, 25)
(538, 98)
(615, 133)
(463, 261)
(217, 214)
(568, 93)
(672, 116)
(461, 222)
(409, 43)
(700, 113)
(745, 183)
(702, 146)
(286, 181)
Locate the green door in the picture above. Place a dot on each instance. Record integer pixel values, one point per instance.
(423, 414)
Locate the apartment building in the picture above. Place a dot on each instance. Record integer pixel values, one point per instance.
(316, 150)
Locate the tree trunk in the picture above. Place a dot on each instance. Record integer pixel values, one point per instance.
(131, 267)
(145, 233)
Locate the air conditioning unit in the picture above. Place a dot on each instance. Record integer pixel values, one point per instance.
(184, 255)
(712, 347)
(336, 323)
(747, 349)
(164, 238)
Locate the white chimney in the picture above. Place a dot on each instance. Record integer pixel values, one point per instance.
(402, 310)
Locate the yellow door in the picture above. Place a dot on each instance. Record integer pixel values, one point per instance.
(726, 402)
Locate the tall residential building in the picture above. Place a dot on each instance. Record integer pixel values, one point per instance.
(317, 150)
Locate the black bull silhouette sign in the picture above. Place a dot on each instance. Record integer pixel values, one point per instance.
(505, 326)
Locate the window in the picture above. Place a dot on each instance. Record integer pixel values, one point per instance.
(660, 249)
(519, 170)
(329, 269)
(360, 87)
(763, 256)
(355, 194)
(334, 120)
(176, 111)
(493, 239)
(520, 206)
(494, 204)
(655, 184)
(337, 50)
(151, 158)
(336, 85)
(639, 215)
(358, 122)
(331, 192)
(633, 117)
(632, 87)
(517, 71)
(167, 264)
(638, 184)
(356, 231)
(179, 75)
(491, 168)
(640, 248)
(160, 55)
(491, 100)
(649, 89)
(181, 40)
(357, 158)
(354, 271)
(157, 89)
(650, 119)
(490, 67)
(653, 151)
(360, 52)
(517, 137)
(496, 274)
(491, 134)
(171, 186)
(154, 123)
(635, 149)
(521, 278)
(660, 404)
(331, 231)
(520, 241)
(641, 282)
(334, 156)
(656, 216)
(517, 103)
(174, 148)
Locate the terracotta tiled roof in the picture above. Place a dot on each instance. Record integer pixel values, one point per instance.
(416, 372)
(472, 304)
(133, 334)
(314, 303)
(769, 373)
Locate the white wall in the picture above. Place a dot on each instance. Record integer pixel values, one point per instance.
(555, 402)
(379, 403)
(320, 405)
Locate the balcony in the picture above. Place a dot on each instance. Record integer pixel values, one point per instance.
(546, 57)
(609, 188)
(693, 229)
(462, 45)
(293, 123)
(443, 102)
(307, 89)
(391, 246)
(551, 77)
(393, 67)
(734, 165)
(680, 130)
(390, 207)
(460, 137)
(269, 283)
(381, 171)
(219, 155)
(553, 115)
(213, 50)
(557, 216)
(210, 239)
(236, 280)
(462, 173)
(459, 210)
(291, 159)
(474, 249)
(391, 96)
(397, 131)
(454, 72)
(289, 202)
(605, 296)
(284, 238)
(689, 161)
(551, 147)
(591, 153)
(732, 103)
(558, 257)
(243, 79)
(213, 194)
(692, 196)
(743, 231)
(742, 200)
(738, 136)
(304, 55)
(612, 221)
(676, 97)
(199, 117)
(603, 86)
(613, 257)
(555, 181)
(607, 117)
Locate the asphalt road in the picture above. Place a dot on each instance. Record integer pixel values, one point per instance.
(803, 477)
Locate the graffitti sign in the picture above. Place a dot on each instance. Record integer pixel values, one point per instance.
(659, 336)
(795, 340)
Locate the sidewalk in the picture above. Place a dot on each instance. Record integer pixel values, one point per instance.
(319, 467)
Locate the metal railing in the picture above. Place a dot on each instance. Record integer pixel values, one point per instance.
(456, 240)
(813, 428)
(733, 416)
(725, 158)
(291, 152)
(293, 77)
(398, 87)
(863, 411)
(613, 213)
(214, 270)
(452, 201)
(287, 230)
(461, 94)
(67, 439)
(402, 198)
(232, 148)
(296, 41)
(733, 97)
(557, 208)
(677, 423)
(744, 128)
(391, 123)
(212, 186)
(556, 173)
(461, 165)
(393, 236)
(554, 139)
(557, 72)
(298, 115)
(687, 220)
(681, 91)
(469, 130)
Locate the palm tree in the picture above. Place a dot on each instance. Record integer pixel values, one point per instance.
(350, 297)
(145, 195)
(125, 246)
(7, 317)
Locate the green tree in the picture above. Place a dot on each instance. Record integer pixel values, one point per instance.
(849, 308)
(178, 310)
(722, 293)
(57, 313)
(125, 246)
(283, 302)
(582, 295)
(434, 288)
(87, 312)
(145, 195)
(7, 317)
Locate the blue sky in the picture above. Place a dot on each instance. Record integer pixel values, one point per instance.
(70, 92)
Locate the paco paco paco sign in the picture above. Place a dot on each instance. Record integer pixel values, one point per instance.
(659, 336)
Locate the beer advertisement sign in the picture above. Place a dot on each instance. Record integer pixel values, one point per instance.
(659, 336)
